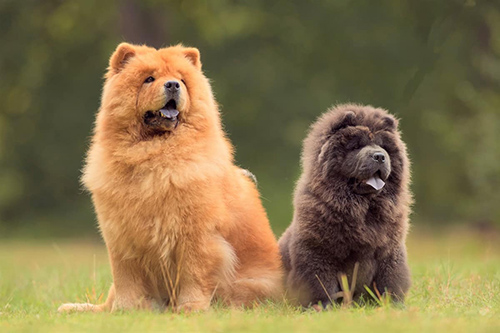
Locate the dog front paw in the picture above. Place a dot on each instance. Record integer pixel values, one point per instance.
(189, 307)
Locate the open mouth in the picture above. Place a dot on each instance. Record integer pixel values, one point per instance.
(375, 181)
(371, 185)
(169, 111)
(164, 119)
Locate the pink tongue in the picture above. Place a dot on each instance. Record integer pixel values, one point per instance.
(376, 183)
(169, 113)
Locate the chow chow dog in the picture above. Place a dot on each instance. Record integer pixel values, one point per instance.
(352, 204)
(182, 224)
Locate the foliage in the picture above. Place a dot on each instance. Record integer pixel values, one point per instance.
(275, 66)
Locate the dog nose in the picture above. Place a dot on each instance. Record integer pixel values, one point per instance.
(172, 86)
(379, 157)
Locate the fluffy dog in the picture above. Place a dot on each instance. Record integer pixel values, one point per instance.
(182, 224)
(351, 206)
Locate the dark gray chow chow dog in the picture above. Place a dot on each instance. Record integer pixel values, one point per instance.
(352, 204)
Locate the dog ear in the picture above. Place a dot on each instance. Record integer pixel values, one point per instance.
(346, 120)
(119, 59)
(389, 123)
(193, 55)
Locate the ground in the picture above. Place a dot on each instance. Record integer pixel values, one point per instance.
(456, 288)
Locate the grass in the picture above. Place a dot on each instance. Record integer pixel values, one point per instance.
(456, 288)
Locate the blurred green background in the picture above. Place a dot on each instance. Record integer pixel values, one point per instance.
(275, 66)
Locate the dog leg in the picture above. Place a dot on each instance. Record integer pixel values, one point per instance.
(129, 284)
(204, 266)
(314, 277)
(393, 275)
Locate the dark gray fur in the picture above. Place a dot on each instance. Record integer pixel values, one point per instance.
(338, 220)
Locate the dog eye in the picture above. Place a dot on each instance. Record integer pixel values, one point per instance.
(353, 144)
(183, 82)
(149, 79)
(388, 148)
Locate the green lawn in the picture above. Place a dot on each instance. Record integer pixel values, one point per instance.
(456, 288)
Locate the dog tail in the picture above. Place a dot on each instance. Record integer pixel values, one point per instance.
(249, 290)
(250, 175)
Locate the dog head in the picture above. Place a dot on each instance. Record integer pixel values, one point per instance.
(358, 149)
(151, 92)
